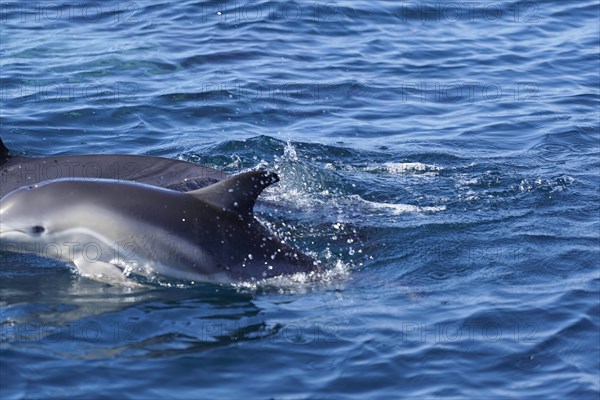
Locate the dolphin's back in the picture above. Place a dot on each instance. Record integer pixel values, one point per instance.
(16, 171)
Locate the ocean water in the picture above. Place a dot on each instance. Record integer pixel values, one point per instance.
(442, 159)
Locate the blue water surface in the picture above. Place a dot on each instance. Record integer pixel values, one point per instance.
(442, 159)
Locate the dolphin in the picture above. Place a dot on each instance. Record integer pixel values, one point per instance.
(113, 229)
(17, 171)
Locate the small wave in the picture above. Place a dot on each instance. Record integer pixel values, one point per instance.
(394, 168)
(307, 188)
(300, 199)
(397, 209)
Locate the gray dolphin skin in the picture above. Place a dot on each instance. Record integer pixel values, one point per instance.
(114, 229)
(17, 171)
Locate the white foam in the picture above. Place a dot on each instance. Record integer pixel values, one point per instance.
(411, 168)
(397, 209)
(395, 168)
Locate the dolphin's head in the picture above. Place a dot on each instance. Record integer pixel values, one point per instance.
(26, 217)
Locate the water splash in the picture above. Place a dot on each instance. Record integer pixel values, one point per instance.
(298, 283)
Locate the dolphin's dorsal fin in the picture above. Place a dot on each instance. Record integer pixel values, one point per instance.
(238, 193)
(3, 151)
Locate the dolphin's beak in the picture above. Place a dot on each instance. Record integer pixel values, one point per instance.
(5, 232)
(5, 229)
